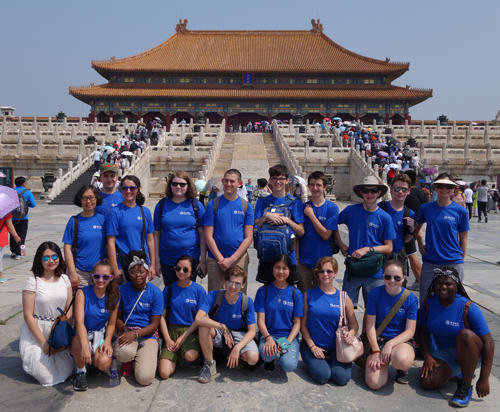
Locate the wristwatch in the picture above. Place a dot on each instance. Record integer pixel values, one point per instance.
(371, 249)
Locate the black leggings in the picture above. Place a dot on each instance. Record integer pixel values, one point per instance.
(481, 206)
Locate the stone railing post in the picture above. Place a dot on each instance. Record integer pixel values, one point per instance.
(448, 137)
(81, 147)
(79, 160)
(330, 149)
(467, 136)
(466, 150)
(422, 127)
(489, 154)
(49, 123)
(170, 147)
(182, 134)
(201, 135)
(438, 127)
(486, 133)
(422, 150)
(376, 169)
(70, 170)
(39, 147)
(454, 126)
(73, 133)
(406, 126)
(290, 125)
(444, 151)
(79, 124)
(470, 126)
(60, 146)
(20, 146)
(430, 139)
(307, 150)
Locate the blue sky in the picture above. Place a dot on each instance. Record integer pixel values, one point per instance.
(47, 46)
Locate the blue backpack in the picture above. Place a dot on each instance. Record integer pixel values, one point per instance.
(272, 240)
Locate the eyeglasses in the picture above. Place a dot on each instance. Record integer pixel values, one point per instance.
(396, 278)
(129, 188)
(398, 189)
(182, 269)
(441, 186)
(230, 283)
(89, 199)
(322, 271)
(138, 272)
(365, 191)
(105, 278)
(175, 184)
(53, 257)
(278, 179)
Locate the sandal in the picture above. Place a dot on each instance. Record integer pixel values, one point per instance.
(127, 369)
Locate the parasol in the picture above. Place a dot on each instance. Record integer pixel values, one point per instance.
(296, 180)
(214, 181)
(200, 185)
(9, 200)
(429, 170)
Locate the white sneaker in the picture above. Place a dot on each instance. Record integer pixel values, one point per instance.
(414, 286)
(18, 257)
(207, 372)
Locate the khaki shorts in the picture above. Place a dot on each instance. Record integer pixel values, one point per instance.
(237, 336)
(216, 276)
(191, 343)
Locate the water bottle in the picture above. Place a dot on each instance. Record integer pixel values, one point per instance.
(23, 250)
(114, 379)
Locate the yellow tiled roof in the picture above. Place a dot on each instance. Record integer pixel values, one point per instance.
(354, 92)
(252, 52)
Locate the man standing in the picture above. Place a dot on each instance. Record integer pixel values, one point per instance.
(111, 196)
(21, 223)
(482, 200)
(370, 230)
(469, 201)
(228, 228)
(97, 160)
(249, 188)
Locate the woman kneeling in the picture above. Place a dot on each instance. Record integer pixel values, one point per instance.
(395, 343)
(461, 335)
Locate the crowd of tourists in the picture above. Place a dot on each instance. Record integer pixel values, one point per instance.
(115, 246)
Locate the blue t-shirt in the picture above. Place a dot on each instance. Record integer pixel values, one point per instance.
(441, 235)
(109, 201)
(296, 213)
(323, 317)
(28, 196)
(179, 235)
(380, 304)
(398, 221)
(279, 316)
(229, 315)
(446, 323)
(366, 231)
(312, 245)
(96, 314)
(229, 224)
(184, 303)
(150, 304)
(91, 240)
(126, 224)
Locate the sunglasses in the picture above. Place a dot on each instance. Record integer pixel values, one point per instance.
(400, 189)
(105, 278)
(180, 269)
(230, 283)
(396, 278)
(442, 186)
(322, 271)
(128, 188)
(53, 257)
(175, 184)
(365, 191)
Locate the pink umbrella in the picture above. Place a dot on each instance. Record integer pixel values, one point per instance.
(2, 174)
(256, 122)
(9, 200)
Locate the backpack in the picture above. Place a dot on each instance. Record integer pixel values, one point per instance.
(495, 195)
(333, 242)
(195, 209)
(273, 240)
(22, 210)
(218, 302)
(244, 205)
(406, 213)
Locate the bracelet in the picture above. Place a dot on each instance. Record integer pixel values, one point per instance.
(312, 347)
(136, 335)
(268, 336)
(376, 351)
(412, 233)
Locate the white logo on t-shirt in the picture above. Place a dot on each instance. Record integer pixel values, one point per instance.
(286, 303)
(236, 316)
(104, 310)
(185, 213)
(97, 227)
(144, 304)
(190, 301)
(238, 212)
(139, 217)
(448, 217)
(374, 225)
(322, 218)
(451, 323)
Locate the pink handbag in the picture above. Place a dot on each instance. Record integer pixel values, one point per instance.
(346, 353)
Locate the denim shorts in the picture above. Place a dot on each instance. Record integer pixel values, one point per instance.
(449, 355)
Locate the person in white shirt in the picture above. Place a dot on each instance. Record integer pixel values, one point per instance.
(97, 160)
(468, 192)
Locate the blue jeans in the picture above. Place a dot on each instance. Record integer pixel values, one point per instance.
(352, 287)
(322, 370)
(288, 361)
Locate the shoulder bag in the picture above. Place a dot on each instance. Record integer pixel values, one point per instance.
(62, 332)
(346, 352)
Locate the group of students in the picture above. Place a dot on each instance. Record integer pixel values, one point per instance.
(130, 247)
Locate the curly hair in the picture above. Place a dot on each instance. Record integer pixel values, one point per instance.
(431, 291)
(112, 290)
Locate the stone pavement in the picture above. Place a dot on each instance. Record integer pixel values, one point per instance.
(232, 390)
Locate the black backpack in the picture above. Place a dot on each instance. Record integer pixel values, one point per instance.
(218, 302)
(22, 211)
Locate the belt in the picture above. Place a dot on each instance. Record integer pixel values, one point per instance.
(44, 318)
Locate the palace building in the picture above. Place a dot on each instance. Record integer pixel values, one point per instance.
(250, 75)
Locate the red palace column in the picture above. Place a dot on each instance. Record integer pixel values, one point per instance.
(139, 116)
(111, 116)
(387, 118)
(92, 116)
(225, 118)
(270, 117)
(168, 120)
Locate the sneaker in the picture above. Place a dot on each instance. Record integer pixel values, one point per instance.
(478, 220)
(93, 371)
(485, 220)
(414, 286)
(402, 377)
(462, 395)
(269, 367)
(18, 257)
(207, 372)
(127, 369)
(2, 280)
(13, 255)
(80, 382)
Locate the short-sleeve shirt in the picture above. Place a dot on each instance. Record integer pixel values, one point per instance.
(229, 315)
(380, 304)
(179, 235)
(323, 317)
(446, 323)
(96, 313)
(229, 224)
(367, 229)
(399, 224)
(109, 201)
(441, 235)
(150, 304)
(296, 213)
(312, 245)
(184, 303)
(91, 240)
(126, 224)
(279, 315)
(482, 193)
(4, 237)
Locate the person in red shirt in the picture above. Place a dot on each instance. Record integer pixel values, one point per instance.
(6, 226)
